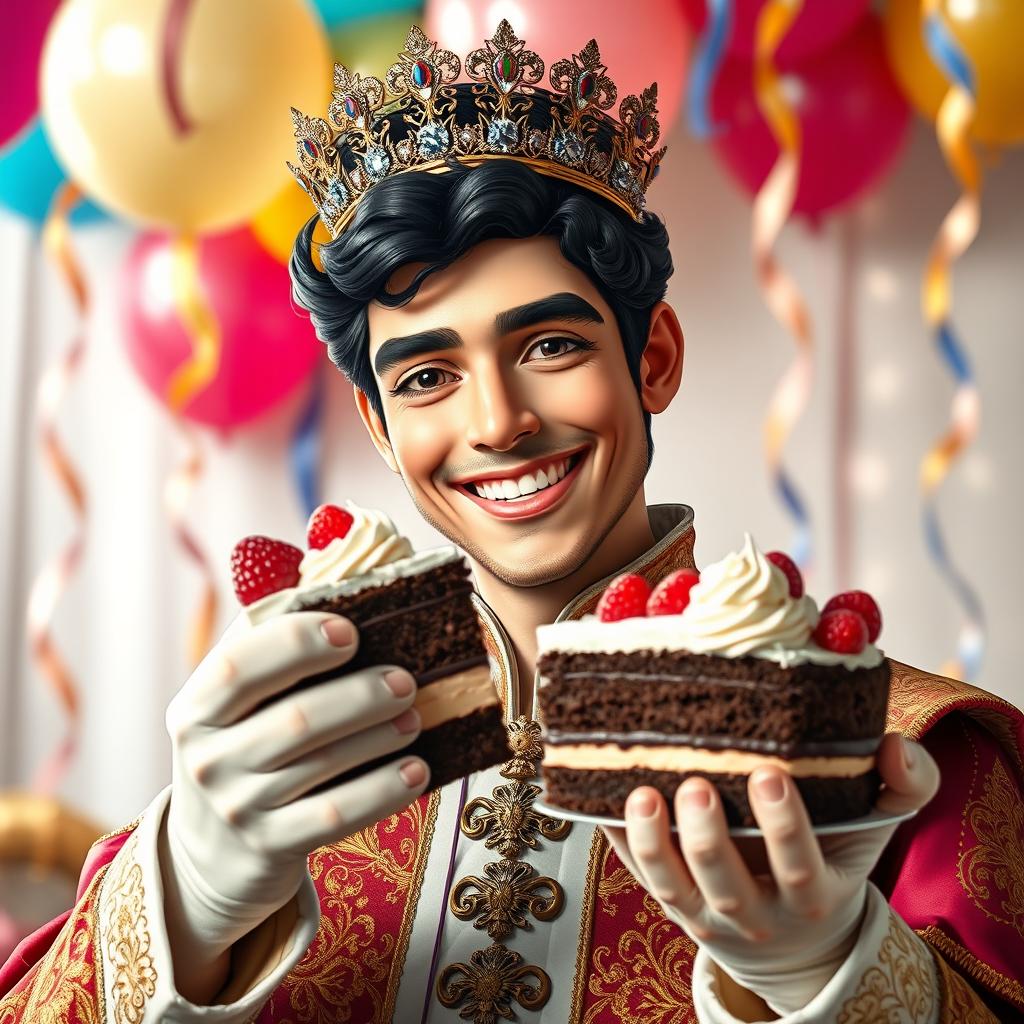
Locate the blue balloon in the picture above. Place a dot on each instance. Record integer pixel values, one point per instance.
(30, 177)
(337, 12)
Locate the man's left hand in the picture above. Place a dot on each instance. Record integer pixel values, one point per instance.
(781, 934)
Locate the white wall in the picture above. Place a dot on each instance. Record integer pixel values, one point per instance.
(123, 623)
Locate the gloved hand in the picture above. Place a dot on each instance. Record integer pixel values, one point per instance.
(241, 821)
(781, 935)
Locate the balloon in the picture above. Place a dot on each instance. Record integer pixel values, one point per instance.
(640, 50)
(991, 35)
(30, 176)
(853, 119)
(371, 45)
(266, 350)
(339, 12)
(21, 42)
(816, 28)
(175, 112)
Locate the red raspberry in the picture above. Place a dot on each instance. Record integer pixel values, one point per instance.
(262, 565)
(842, 631)
(624, 598)
(864, 605)
(325, 524)
(672, 594)
(789, 570)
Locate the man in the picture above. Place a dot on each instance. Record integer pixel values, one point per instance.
(500, 314)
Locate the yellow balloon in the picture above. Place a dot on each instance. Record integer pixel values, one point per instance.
(277, 224)
(990, 33)
(175, 112)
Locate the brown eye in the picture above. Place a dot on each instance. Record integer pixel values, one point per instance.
(551, 348)
(427, 379)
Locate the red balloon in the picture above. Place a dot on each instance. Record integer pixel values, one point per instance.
(646, 43)
(853, 118)
(22, 31)
(819, 24)
(266, 348)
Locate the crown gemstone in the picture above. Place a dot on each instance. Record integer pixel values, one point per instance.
(506, 70)
(337, 192)
(377, 163)
(422, 74)
(568, 148)
(622, 176)
(502, 135)
(351, 105)
(643, 126)
(311, 149)
(585, 87)
(432, 140)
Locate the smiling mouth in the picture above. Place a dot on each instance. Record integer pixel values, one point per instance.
(526, 494)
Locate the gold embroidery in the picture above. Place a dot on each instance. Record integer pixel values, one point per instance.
(599, 848)
(524, 739)
(509, 821)
(1001, 727)
(490, 981)
(127, 939)
(902, 981)
(1007, 988)
(650, 981)
(504, 897)
(63, 989)
(618, 881)
(993, 869)
(959, 1003)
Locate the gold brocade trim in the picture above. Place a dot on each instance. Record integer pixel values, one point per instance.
(118, 831)
(598, 852)
(958, 1002)
(127, 939)
(901, 980)
(1006, 988)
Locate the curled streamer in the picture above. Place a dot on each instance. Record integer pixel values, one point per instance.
(204, 335)
(772, 207)
(706, 61)
(53, 579)
(304, 450)
(958, 230)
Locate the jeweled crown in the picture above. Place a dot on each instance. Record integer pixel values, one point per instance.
(420, 119)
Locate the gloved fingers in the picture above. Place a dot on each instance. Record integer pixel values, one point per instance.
(298, 777)
(720, 874)
(909, 772)
(308, 719)
(655, 854)
(250, 667)
(795, 857)
(341, 810)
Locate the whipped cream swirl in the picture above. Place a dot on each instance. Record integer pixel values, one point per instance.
(371, 541)
(742, 604)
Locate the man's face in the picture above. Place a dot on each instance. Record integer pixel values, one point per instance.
(510, 410)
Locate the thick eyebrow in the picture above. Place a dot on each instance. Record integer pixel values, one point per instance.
(562, 306)
(399, 350)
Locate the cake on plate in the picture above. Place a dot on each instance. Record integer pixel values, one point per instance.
(713, 675)
(411, 609)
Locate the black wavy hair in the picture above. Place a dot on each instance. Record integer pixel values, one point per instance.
(434, 219)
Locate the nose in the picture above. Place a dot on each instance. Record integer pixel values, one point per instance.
(498, 417)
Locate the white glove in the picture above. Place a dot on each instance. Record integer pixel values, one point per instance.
(782, 927)
(241, 821)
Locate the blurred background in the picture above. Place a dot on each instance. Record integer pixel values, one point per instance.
(844, 190)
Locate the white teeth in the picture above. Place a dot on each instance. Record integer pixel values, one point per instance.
(561, 468)
(527, 483)
(541, 479)
(509, 489)
(552, 475)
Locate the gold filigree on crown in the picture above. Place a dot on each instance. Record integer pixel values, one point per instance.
(410, 121)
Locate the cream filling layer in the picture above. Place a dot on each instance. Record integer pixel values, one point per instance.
(673, 758)
(455, 696)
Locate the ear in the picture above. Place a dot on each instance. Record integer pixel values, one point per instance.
(375, 428)
(661, 366)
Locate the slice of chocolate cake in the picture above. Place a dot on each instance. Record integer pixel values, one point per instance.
(414, 611)
(733, 677)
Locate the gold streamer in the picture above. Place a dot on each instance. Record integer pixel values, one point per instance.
(188, 380)
(54, 578)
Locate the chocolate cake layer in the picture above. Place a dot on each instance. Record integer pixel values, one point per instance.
(604, 793)
(676, 692)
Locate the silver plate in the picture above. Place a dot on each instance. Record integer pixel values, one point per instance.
(876, 819)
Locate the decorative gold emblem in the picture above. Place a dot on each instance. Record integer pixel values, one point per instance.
(509, 821)
(502, 899)
(524, 741)
(492, 979)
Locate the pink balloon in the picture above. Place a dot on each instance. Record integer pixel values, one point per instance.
(266, 348)
(22, 31)
(645, 43)
(853, 117)
(817, 26)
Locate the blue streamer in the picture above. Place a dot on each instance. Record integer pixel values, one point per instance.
(707, 60)
(801, 544)
(305, 447)
(946, 52)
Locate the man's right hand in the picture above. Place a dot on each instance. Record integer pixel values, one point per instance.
(246, 754)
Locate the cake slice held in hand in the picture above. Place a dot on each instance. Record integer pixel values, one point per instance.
(745, 673)
(411, 609)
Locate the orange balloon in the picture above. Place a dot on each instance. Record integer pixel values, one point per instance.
(175, 112)
(990, 34)
(277, 224)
